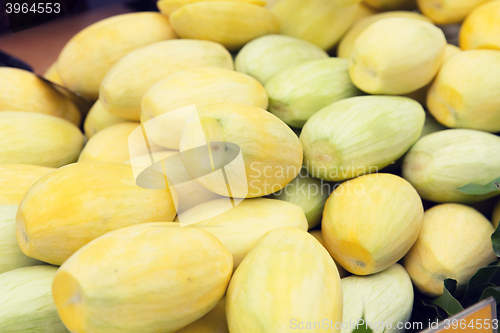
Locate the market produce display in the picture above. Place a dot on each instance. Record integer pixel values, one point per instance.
(412, 53)
(80, 212)
(12, 256)
(230, 23)
(159, 292)
(367, 295)
(109, 145)
(126, 82)
(466, 84)
(250, 220)
(27, 303)
(200, 86)
(16, 179)
(372, 232)
(441, 165)
(295, 94)
(24, 91)
(90, 54)
(360, 135)
(253, 166)
(457, 255)
(266, 56)
(321, 22)
(346, 44)
(480, 29)
(268, 287)
(98, 119)
(39, 139)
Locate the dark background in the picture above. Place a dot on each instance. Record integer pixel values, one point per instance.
(15, 23)
(40, 46)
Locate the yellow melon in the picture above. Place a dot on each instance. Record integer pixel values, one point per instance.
(110, 144)
(21, 90)
(38, 139)
(90, 54)
(80, 202)
(157, 290)
(231, 23)
(455, 241)
(128, 80)
(16, 179)
(240, 227)
(98, 119)
(287, 278)
(371, 222)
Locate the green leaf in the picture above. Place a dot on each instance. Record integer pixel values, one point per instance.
(495, 241)
(447, 302)
(436, 312)
(491, 291)
(476, 189)
(423, 313)
(485, 277)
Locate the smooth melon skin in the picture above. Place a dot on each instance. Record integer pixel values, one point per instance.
(347, 42)
(308, 193)
(287, 276)
(213, 322)
(156, 291)
(259, 152)
(199, 86)
(130, 78)
(52, 74)
(455, 241)
(16, 179)
(420, 95)
(110, 144)
(363, 12)
(11, 256)
(72, 206)
(99, 119)
(319, 237)
(23, 91)
(321, 22)
(360, 135)
(90, 54)
(240, 227)
(38, 139)
(396, 56)
(230, 23)
(26, 303)
(464, 93)
(167, 7)
(189, 192)
(448, 11)
(266, 56)
(439, 164)
(481, 28)
(371, 222)
(297, 93)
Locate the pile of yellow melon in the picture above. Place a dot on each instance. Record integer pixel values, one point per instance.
(234, 176)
